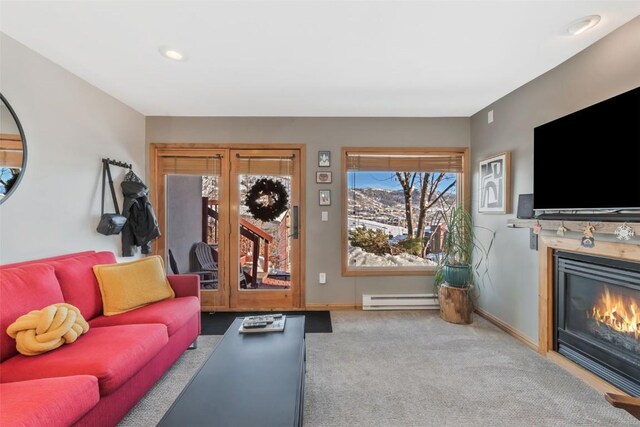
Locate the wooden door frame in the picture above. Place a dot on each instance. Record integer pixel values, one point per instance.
(156, 184)
(270, 299)
(209, 299)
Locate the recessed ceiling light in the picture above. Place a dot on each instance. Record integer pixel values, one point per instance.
(171, 53)
(583, 24)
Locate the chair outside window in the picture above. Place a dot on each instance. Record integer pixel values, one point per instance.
(204, 257)
(204, 260)
(208, 279)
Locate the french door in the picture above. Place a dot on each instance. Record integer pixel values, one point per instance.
(233, 216)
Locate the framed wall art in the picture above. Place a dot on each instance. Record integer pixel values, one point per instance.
(325, 198)
(324, 159)
(494, 192)
(323, 177)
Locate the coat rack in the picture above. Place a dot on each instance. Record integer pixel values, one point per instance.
(118, 163)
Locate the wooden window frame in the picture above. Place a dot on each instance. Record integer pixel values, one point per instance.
(464, 199)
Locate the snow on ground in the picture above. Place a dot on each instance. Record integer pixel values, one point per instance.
(394, 230)
(359, 258)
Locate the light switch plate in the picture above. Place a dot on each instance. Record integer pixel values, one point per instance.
(322, 278)
(325, 216)
(533, 240)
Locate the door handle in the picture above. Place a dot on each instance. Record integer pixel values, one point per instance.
(295, 222)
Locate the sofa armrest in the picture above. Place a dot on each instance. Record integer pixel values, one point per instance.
(185, 285)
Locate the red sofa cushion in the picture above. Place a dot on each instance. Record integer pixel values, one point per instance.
(173, 313)
(23, 289)
(112, 354)
(78, 282)
(47, 402)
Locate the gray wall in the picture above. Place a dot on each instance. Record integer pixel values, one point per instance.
(69, 126)
(184, 217)
(607, 68)
(323, 238)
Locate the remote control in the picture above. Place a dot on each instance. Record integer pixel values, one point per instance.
(254, 325)
(266, 318)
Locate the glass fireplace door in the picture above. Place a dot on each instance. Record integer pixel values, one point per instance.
(598, 317)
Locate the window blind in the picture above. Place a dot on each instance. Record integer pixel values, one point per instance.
(431, 162)
(187, 165)
(276, 166)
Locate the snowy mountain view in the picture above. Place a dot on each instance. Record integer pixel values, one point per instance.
(381, 232)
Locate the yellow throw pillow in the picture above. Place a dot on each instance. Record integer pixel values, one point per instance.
(130, 285)
(44, 330)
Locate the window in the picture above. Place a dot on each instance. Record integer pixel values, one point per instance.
(394, 201)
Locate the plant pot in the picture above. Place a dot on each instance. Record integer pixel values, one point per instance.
(457, 275)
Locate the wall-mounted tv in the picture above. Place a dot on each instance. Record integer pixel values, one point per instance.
(590, 160)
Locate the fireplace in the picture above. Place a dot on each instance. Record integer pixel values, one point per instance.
(597, 316)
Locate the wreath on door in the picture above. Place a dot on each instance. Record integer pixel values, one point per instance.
(266, 199)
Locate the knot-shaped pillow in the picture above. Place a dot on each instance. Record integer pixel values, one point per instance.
(44, 330)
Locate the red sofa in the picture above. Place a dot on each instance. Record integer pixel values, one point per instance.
(99, 378)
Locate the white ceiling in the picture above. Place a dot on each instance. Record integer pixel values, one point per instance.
(309, 58)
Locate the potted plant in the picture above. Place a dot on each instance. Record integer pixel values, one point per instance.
(456, 270)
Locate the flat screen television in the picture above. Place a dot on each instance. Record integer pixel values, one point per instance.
(590, 160)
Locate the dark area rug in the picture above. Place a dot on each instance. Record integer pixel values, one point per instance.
(217, 323)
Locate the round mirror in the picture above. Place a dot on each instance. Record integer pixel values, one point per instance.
(13, 150)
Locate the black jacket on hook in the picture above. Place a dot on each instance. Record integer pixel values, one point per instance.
(142, 225)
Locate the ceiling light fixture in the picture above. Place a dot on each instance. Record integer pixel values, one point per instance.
(172, 54)
(583, 24)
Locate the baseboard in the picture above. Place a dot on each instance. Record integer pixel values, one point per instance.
(318, 307)
(587, 377)
(308, 307)
(507, 328)
(573, 368)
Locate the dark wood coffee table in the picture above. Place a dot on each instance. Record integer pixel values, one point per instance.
(249, 380)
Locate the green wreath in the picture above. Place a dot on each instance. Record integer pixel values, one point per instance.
(277, 195)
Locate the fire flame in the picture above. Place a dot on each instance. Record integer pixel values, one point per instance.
(618, 312)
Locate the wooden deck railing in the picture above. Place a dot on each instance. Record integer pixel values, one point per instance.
(248, 230)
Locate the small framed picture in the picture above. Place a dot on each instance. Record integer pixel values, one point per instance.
(324, 159)
(323, 177)
(325, 197)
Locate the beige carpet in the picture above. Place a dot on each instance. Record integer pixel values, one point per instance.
(413, 369)
(151, 408)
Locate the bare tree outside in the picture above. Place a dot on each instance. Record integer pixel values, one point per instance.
(397, 216)
(429, 196)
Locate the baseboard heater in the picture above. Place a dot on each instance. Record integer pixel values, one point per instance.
(400, 302)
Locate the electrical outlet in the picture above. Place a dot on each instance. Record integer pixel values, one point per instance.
(322, 278)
